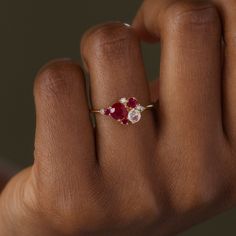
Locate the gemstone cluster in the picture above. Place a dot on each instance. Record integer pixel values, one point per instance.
(125, 111)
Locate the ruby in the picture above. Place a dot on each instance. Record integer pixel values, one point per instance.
(125, 121)
(107, 112)
(132, 103)
(120, 111)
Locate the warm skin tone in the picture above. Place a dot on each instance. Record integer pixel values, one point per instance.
(175, 168)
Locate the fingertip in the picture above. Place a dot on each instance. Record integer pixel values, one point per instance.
(51, 62)
(58, 76)
(139, 26)
(103, 36)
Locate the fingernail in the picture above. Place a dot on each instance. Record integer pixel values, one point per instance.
(127, 25)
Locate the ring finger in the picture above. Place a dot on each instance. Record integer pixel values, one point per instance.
(113, 57)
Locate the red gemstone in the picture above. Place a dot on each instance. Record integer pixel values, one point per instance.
(132, 103)
(107, 112)
(120, 111)
(125, 121)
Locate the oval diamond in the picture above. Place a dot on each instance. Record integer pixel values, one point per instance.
(134, 116)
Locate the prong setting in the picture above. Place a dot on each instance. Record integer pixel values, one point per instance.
(123, 100)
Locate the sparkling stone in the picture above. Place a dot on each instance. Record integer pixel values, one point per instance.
(140, 108)
(134, 116)
(112, 110)
(132, 103)
(102, 111)
(123, 100)
(120, 111)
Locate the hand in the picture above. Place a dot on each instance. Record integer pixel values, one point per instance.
(174, 168)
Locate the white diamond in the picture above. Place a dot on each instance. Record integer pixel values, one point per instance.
(123, 100)
(134, 116)
(112, 110)
(140, 108)
(102, 111)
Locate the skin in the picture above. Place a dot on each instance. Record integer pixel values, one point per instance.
(175, 168)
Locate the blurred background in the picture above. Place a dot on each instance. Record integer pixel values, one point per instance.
(34, 32)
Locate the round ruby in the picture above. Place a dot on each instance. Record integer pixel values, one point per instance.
(132, 103)
(120, 111)
(107, 112)
(125, 121)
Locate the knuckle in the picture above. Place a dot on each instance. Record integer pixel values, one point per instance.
(196, 199)
(199, 192)
(108, 39)
(189, 16)
(133, 206)
(57, 77)
(68, 215)
(143, 204)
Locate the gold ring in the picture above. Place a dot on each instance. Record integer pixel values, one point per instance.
(125, 111)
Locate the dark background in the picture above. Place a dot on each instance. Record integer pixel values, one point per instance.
(34, 32)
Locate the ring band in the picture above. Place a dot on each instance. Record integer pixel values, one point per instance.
(125, 111)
